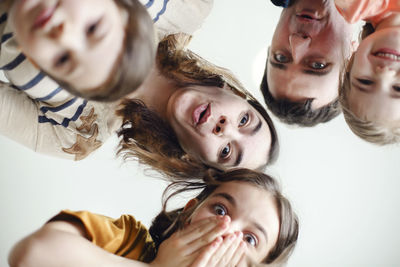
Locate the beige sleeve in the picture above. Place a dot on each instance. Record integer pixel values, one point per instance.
(185, 16)
(19, 122)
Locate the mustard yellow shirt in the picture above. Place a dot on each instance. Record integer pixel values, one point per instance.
(124, 236)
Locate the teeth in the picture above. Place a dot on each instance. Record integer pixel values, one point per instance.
(388, 55)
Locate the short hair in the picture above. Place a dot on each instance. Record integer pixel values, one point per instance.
(149, 139)
(134, 62)
(298, 113)
(365, 129)
(168, 222)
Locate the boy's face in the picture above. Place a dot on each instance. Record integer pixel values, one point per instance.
(252, 211)
(76, 41)
(375, 78)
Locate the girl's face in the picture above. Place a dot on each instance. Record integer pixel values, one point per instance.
(219, 127)
(76, 41)
(375, 77)
(252, 211)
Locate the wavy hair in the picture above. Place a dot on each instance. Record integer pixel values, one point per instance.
(150, 140)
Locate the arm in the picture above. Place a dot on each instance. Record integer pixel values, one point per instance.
(62, 243)
(19, 121)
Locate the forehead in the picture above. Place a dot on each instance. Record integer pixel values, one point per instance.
(295, 85)
(374, 106)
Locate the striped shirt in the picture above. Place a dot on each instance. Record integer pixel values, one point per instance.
(63, 116)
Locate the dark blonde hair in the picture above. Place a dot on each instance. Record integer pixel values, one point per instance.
(365, 129)
(168, 222)
(133, 64)
(146, 137)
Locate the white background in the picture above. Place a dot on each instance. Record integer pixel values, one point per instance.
(344, 190)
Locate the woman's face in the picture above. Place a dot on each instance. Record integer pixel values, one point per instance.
(252, 211)
(375, 78)
(219, 127)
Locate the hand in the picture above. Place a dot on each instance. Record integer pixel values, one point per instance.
(227, 251)
(184, 246)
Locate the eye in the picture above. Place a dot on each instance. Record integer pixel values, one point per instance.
(396, 88)
(251, 239)
(244, 120)
(61, 60)
(318, 65)
(219, 210)
(281, 58)
(365, 81)
(93, 27)
(225, 152)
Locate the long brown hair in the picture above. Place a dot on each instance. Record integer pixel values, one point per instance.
(168, 222)
(147, 138)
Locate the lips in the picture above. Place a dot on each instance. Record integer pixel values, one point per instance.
(43, 17)
(201, 114)
(387, 54)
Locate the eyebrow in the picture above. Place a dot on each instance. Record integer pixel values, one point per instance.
(232, 201)
(305, 71)
(257, 128)
(239, 158)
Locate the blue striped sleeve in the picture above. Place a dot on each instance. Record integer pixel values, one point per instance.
(16, 61)
(162, 11)
(60, 107)
(32, 82)
(49, 96)
(149, 3)
(66, 121)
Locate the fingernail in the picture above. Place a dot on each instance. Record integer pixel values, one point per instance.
(239, 234)
(232, 237)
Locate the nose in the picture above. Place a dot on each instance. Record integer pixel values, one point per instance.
(299, 44)
(385, 71)
(56, 31)
(220, 126)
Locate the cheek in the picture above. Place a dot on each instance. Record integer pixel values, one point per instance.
(199, 147)
(201, 213)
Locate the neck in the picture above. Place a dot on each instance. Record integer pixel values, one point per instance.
(393, 20)
(155, 92)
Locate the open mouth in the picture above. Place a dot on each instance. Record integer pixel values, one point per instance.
(201, 114)
(388, 54)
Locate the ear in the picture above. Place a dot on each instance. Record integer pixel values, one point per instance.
(190, 204)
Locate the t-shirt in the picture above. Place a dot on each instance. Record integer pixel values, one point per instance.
(124, 236)
(372, 10)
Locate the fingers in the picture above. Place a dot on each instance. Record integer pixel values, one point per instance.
(203, 233)
(208, 251)
(204, 238)
(230, 251)
(235, 254)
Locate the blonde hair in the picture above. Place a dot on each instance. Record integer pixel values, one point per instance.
(149, 139)
(367, 130)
